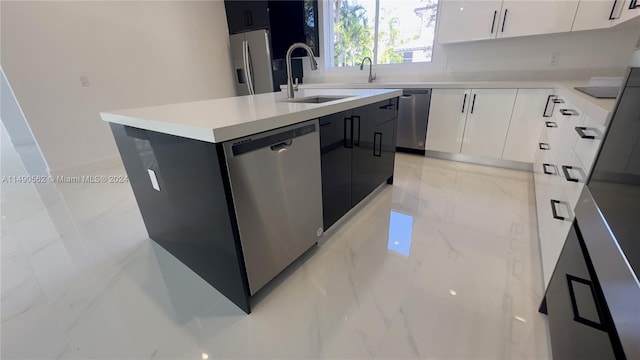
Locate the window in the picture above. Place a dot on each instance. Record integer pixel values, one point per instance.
(388, 31)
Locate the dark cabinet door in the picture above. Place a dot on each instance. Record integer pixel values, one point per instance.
(363, 179)
(384, 151)
(336, 142)
(578, 318)
(246, 15)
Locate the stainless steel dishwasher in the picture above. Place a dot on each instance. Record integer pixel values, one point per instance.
(277, 193)
(413, 114)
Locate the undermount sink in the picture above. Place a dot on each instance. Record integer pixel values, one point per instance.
(319, 99)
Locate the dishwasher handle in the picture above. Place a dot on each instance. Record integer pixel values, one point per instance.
(275, 141)
(282, 146)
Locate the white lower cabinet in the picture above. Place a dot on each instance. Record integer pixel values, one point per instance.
(487, 123)
(491, 123)
(447, 117)
(566, 151)
(470, 121)
(527, 121)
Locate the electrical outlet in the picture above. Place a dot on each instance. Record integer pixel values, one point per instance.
(84, 81)
(555, 58)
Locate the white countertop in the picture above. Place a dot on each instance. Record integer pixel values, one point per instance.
(219, 120)
(604, 104)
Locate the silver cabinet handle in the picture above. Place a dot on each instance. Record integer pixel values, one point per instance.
(246, 58)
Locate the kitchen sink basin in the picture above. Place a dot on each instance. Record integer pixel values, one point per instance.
(319, 99)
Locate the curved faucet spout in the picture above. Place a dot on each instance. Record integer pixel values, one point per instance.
(314, 65)
(371, 76)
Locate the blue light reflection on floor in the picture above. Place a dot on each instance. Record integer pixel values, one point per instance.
(400, 229)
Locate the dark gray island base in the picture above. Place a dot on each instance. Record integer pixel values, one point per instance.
(183, 188)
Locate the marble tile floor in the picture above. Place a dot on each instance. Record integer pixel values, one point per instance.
(444, 264)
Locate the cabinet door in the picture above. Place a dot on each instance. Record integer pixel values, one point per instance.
(526, 124)
(532, 17)
(335, 155)
(468, 20)
(487, 124)
(602, 14)
(363, 179)
(447, 116)
(384, 150)
(246, 15)
(577, 324)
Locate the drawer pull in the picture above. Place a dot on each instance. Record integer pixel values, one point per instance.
(567, 176)
(348, 133)
(464, 101)
(574, 304)
(554, 211)
(377, 135)
(548, 110)
(544, 146)
(569, 112)
(473, 103)
(545, 166)
(580, 130)
(558, 101)
(551, 124)
(493, 23)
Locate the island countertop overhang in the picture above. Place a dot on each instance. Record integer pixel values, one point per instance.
(219, 120)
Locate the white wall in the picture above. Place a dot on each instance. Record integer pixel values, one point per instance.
(582, 55)
(134, 53)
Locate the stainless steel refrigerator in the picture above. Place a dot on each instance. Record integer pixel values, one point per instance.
(251, 56)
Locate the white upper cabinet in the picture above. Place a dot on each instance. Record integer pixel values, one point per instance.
(527, 121)
(468, 20)
(533, 17)
(447, 115)
(471, 20)
(598, 14)
(488, 122)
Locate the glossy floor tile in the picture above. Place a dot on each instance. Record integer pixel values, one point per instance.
(443, 264)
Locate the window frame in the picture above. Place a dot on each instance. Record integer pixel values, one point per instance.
(327, 46)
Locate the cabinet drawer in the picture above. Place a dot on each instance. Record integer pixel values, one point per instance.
(573, 177)
(557, 218)
(590, 135)
(385, 110)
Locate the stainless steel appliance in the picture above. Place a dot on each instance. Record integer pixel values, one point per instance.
(251, 57)
(277, 194)
(594, 308)
(413, 115)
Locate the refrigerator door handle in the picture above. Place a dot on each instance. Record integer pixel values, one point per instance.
(246, 59)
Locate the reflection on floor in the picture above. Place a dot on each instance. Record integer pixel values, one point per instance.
(443, 264)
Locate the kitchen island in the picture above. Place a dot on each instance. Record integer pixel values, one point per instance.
(224, 186)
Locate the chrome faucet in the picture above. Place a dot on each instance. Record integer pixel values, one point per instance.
(314, 65)
(371, 77)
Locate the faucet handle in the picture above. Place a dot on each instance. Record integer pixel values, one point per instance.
(374, 76)
(295, 84)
